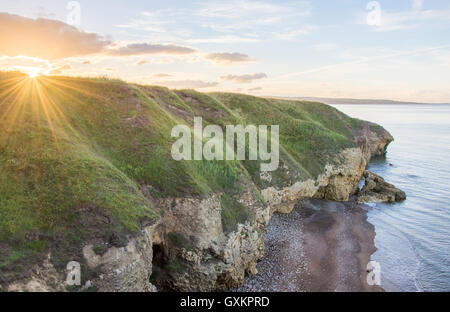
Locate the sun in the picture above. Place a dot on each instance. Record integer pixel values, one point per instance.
(32, 72)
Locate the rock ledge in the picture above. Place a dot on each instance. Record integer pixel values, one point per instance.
(377, 190)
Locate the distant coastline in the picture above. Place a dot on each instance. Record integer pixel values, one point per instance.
(346, 101)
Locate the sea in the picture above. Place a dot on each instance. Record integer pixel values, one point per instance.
(412, 237)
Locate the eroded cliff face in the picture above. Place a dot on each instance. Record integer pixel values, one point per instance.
(121, 269)
(199, 254)
(209, 258)
(188, 249)
(336, 183)
(126, 268)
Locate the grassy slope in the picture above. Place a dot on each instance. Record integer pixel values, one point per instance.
(75, 151)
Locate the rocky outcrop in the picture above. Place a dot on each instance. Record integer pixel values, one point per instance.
(196, 253)
(44, 278)
(377, 190)
(336, 183)
(373, 140)
(125, 268)
(339, 180)
(122, 269)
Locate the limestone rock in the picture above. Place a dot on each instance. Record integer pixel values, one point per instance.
(126, 268)
(210, 259)
(207, 257)
(377, 190)
(44, 278)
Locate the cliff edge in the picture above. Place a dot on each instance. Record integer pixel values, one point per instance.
(87, 176)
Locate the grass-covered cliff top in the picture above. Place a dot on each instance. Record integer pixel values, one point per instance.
(75, 153)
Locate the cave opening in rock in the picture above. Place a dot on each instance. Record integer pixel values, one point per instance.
(159, 263)
(158, 254)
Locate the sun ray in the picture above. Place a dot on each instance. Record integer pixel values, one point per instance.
(25, 102)
(14, 96)
(57, 82)
(57, 109)
(46, 107)
(44, 104)
(9, 82)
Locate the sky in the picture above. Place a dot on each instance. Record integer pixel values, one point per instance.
(398, 50)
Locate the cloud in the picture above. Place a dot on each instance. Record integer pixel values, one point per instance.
(23, 62)
(252, 9)
(45, 38)
(258, 18)
(58, 69)
(187, 84)
(148, 49)
(156, 60)
(365, 59)
(26, 63)
(65, 67)
(292, 34)
(25, 36)
(86, 62)
(162, 75)
(224, 39)
(228, 58)
(224, 21)
(255, 89)
(244, 78)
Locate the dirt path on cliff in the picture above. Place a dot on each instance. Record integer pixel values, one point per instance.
(320, 246)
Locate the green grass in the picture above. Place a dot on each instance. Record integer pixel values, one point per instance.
(310, 133)
(74, 155)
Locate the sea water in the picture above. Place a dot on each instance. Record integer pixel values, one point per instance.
(413, 237)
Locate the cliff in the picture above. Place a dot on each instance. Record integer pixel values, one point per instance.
(87, 176)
